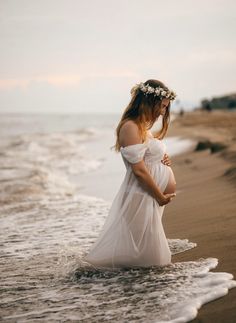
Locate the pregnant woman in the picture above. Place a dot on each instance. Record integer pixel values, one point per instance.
(133, 234)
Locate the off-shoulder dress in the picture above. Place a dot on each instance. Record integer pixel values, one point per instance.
(133, 234)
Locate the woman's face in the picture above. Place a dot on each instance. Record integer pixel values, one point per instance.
(164, 104)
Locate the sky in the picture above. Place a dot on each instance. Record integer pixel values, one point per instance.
(73, 56)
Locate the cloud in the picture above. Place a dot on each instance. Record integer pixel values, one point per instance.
(56, 80)
(62, 80)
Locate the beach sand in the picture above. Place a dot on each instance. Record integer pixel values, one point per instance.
(204, 210)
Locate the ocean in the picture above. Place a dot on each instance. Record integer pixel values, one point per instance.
(58, 177)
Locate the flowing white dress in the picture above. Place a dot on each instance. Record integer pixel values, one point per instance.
(133, 234)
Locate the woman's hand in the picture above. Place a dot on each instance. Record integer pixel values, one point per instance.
(166, 199)
(166, 160)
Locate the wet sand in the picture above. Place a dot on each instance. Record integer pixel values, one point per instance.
(205, 206)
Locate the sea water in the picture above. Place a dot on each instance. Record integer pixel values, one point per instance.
(54, 200)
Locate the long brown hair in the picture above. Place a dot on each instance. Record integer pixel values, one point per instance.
(144, 111)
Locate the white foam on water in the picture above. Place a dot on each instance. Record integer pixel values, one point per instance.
(36, 166)
(172, 293)
(177, 145)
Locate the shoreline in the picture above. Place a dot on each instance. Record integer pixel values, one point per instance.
(205, 204)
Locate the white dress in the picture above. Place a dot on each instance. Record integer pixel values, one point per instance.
(133, 234)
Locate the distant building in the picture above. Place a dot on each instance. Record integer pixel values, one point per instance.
(223, 102)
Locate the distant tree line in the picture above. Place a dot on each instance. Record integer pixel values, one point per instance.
(223, 102)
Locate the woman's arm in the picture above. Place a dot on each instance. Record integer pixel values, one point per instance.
(144, 177)
(129, 135)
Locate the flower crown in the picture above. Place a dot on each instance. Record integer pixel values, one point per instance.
(147, 89)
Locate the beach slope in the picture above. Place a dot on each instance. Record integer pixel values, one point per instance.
(204, 210)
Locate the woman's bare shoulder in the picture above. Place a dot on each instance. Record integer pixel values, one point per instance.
(129, 133)
(129, 126)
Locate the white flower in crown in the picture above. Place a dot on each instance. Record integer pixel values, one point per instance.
(143, 87)
(150, 89)
(147, 89)
(173, 95)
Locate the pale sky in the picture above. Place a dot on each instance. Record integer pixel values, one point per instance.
(84, 56)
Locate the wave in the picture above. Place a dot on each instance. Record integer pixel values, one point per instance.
(38, 166)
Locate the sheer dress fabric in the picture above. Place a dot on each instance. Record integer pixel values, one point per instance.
(133, 234)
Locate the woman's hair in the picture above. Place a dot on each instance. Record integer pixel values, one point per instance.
(144, 110)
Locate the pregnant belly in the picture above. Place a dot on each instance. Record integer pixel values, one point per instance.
(171, 185)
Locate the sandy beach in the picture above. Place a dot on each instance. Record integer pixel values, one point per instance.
(205, 206)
